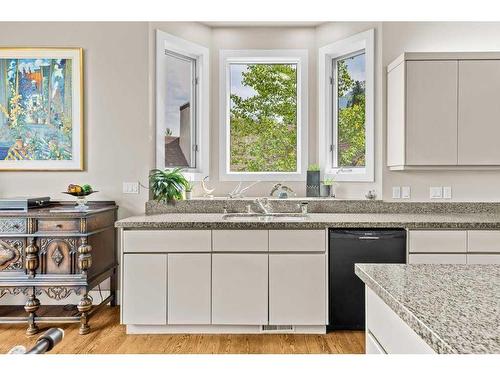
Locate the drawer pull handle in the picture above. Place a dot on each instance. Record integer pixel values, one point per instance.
(16, 226)
(59, 226)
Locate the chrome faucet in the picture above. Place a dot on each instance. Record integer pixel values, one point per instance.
(283, 191)
(264, 205)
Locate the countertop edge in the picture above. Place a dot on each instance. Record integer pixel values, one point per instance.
(421, 329)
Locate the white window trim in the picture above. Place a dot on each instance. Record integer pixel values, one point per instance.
(296, 56)
(362, 41)
(165, 41)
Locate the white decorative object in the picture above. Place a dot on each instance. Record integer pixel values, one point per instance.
(207, 192)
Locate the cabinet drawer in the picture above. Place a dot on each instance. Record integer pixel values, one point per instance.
(438, 241)
(297, 240)
(484, 241)
(51, 225)
(159, 241)
(437, 259)
(483, 258)
(12, 225)
(240, 240)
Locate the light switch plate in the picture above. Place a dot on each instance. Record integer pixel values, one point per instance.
(396, 192)
(405, 192)
(447, 192)
(436, 192)
(130, 188)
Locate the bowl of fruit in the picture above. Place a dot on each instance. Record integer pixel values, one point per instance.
(80, 192)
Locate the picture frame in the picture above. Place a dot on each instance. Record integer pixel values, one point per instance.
(41, 109)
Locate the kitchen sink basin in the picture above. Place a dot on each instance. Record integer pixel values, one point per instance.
(265, 217)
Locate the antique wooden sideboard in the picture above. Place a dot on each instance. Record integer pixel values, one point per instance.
(57, 251)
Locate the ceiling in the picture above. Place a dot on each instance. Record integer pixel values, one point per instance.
(262, 23)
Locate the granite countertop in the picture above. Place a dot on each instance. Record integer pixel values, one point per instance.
(454, 308)
(317, 221)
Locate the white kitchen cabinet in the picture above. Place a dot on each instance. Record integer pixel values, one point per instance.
(437, 241)
(297, 289)
(372, 346)
(297, 240)
(240, 289)
(422, 113)
(483, 241)
(431, 118)
(189, 291)
(163, 241)
(144, 295)
(442, 111)
(479, 112)
(437, 259)
(483, 258)
(240, 240)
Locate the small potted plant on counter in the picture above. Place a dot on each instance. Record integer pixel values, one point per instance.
(189, 190)
(327, 188)
(168, 185)
(313, 183)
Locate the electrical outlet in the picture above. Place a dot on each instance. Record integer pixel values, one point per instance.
(130, 188)
(447, 192)
(396, 192)
(436, 192)
(405, 192)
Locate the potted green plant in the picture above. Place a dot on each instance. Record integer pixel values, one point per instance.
(189, 189)
(312, 184)
(168, 185)
(326, 189)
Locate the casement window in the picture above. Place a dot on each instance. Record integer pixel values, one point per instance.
(263, 115)
(346, 118)
(182, 105)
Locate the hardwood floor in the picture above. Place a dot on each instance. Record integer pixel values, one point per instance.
(108, 337)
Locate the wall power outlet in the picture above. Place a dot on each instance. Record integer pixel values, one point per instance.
(130, 188)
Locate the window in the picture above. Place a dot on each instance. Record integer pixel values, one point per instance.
(346, 108)
(263, 122)
(181, 105)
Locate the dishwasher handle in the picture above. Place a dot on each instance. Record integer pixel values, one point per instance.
(368, 238)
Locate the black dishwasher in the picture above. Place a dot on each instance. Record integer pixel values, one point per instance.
(346, 291)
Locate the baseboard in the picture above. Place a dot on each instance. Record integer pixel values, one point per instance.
(217, 329)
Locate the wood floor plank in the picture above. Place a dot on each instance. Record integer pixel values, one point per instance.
(107, 336)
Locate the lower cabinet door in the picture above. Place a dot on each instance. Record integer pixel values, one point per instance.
(297, 289)
(239, 289)
(189, 288)
(437, 259)
(144, 296)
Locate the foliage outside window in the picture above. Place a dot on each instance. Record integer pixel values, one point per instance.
(350, 112)
(263, 117)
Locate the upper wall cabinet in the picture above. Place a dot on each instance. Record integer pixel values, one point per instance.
(441, 111)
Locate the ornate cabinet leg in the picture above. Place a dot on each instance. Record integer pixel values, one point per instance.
(84, 256)
(84, 307)
(31, 260)
(31, 306)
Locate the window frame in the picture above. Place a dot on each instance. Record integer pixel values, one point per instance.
(278, 56)
(200, 55)
(328, 102)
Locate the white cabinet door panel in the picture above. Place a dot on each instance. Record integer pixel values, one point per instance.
(437, 259)
(479, 112)
(297, 289)
(144, 297)
(189, 288)
(297, 240)
(484, 241)
(163, 241)
(437, 241)
(372, 346)
(431, 119)
(483, 258)
(240, 240)
(239, 289)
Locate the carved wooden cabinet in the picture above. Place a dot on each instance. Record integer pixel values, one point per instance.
(57, 251)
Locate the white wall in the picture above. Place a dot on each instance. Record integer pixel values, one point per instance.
(433, 37)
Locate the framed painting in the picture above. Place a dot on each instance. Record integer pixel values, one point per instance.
(41, 109)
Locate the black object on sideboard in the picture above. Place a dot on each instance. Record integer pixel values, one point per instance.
(57, 251)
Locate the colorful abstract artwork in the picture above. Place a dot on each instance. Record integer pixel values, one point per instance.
(40, 109)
